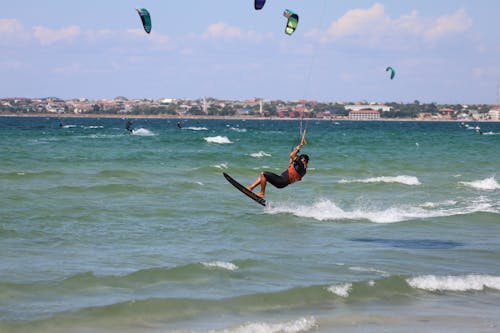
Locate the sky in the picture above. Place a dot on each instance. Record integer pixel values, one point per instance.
(443, 51)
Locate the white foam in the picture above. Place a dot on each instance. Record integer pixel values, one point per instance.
(341, 290)
(221, 166)
(293, 326)
(240, 130)
(325, 210)
(260, 154)
(455, 283)
(194, 128)
(218, 139)
(221, 264)
(487, 184)
(142, 132)
(406, 180)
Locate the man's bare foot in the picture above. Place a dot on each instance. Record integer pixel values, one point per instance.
(260, 194)
(248, 188)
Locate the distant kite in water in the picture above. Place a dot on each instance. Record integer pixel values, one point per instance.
(393, 72)
(145, 18)
(293, 21)
(259, 4)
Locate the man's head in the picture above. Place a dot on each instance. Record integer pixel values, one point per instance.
(304, 158)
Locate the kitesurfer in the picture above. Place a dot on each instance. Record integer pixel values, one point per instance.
(128, 126)
(297, 169)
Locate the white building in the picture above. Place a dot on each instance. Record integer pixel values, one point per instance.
(378, 107)
(494, 114)
(364, 115)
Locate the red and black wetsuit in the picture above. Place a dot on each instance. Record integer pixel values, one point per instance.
(296, 170)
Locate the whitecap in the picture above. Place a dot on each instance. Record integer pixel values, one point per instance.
(194, 128)
(260, 154)
(221, 166)
(406, 180)
(454, 283)
(221, 264)
(484, 184)
(240, 130)
(341, 290)
(142, 132)
(292, 326)
(325, 210)
(218, 139)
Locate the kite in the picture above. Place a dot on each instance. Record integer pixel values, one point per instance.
(293, 21)
(393, 72)
(259, 4)
(145, 18)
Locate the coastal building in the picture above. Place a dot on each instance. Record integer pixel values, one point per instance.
(378, 107)
(494, 114)
(367, 114)
(447, 113)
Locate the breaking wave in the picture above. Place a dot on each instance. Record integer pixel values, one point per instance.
(406, 180)
(326, 210)
(487, 184)
(218, 139)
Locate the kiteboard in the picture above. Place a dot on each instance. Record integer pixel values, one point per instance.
(244, 190)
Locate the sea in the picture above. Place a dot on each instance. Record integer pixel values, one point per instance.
(394, 228)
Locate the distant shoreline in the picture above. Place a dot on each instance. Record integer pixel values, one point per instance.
(164, 116)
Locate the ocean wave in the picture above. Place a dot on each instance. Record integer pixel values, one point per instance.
(292, 326)
(217, 139)
(455, 283)
(128, 309)
(91, 127)
(487, 184)
(194, 128)
(406, 180)
(142, 132)
(341, 290)
(220, 264)
(30, 174)
(326, 210)
(222, 166)
(240, 130)
(260, 154)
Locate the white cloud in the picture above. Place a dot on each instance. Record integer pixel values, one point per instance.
(358, 21)
(47, 36)
(450, 24)
(157, 40)
(10, 26)
(12, 32)
(225, 31)
(373, 24)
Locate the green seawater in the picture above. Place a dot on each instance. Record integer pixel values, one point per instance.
(395, 227)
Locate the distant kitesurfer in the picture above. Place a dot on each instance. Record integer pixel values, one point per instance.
(128, 126)
(297, 169)
(179, 124)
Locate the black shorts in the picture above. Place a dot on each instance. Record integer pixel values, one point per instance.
(276, 180)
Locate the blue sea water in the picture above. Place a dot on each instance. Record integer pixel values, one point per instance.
(395, 227)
